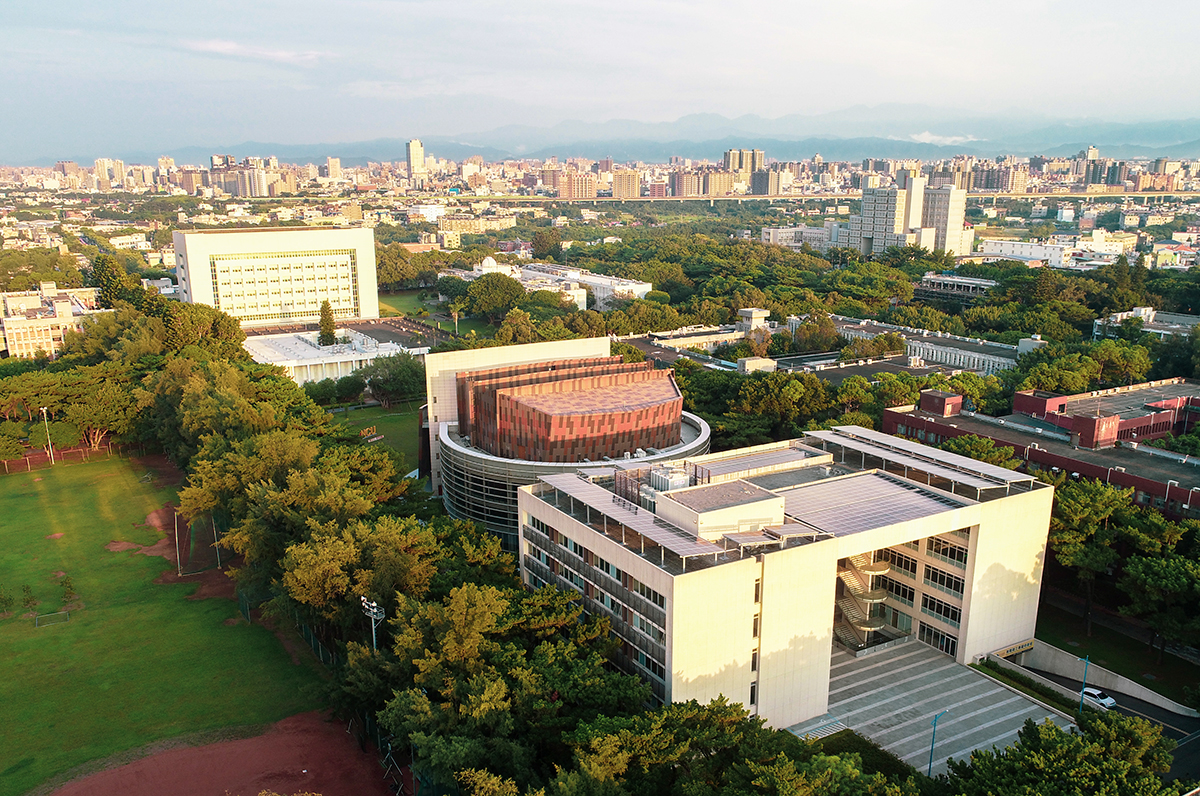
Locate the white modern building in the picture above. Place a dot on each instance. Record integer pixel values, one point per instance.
(1054, 255)
(740, 573)
(305, 360)
(914, 215)
(267, 277)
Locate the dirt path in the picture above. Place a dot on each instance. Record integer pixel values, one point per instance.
(304, 753)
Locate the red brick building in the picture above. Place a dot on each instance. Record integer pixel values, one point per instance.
(570, 410)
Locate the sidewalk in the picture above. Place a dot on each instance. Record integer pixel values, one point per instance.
(1126, 626)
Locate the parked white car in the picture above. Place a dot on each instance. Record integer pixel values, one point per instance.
(1096, 695)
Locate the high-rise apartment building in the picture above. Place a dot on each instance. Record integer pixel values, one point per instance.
(627, 184)
(765, 183)
(911, 216)
(685, 183)
(718, 183)
(746, 161)
(267, 277)
(333, 168)
(415, 156)
(577, 185)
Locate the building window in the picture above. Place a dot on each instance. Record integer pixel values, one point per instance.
(944, 581)
(942, 610)
(901, 592)
(905, 565)
(754, 693)
(935, 638)
(754, 661)
(945, 551)
(756, 623)
(758, 590)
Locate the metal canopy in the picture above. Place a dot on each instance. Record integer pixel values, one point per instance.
(924, 452)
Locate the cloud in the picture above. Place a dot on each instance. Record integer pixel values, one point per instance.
(233, 49)
(941, 140)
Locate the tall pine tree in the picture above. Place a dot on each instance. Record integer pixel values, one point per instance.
(328, 335)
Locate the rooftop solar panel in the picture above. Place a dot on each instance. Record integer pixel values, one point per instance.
(953, 460)
(864, 501)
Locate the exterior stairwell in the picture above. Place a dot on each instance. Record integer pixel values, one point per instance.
(856, 624)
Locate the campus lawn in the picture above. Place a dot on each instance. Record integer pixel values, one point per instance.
(1116, 652)
(406, 302)
(138, 662)
(400, 427)
(402, 302)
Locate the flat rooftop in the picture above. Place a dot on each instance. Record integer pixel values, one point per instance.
(243, 230)
(619, 398)
(720, 496)
(933, 338)
(718, 465)
(835, 375)
(866, 500)
(1131, 403)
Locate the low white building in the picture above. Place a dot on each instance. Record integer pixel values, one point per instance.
(305, 360)
(1054, 255)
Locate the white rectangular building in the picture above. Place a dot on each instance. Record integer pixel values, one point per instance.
(267, 277)
(739, 573)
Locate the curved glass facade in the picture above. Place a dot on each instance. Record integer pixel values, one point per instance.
(480, 487)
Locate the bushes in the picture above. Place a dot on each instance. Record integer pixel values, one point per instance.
(1029, 686)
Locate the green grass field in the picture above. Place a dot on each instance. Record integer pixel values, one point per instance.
(138, 662)
(405, 302)
(398, 427)
(1117, 653)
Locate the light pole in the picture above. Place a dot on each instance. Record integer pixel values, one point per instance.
(375, 614)
(1086, 662)
(932, 740)
(49, 443)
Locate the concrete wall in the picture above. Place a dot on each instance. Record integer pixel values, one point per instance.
(1056, 661)
(1009, 666)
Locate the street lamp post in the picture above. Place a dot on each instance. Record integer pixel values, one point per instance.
(49, 443)
(1086, 662)
(932, 740)
(375, 614)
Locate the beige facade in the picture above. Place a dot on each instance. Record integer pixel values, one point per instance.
(34, 321)
(266, 277)
(737, 573)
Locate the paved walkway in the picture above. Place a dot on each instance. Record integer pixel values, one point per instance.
(892, 696)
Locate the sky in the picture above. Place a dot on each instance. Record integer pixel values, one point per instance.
(83, 78)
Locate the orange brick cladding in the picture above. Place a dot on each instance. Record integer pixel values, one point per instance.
(570, 410)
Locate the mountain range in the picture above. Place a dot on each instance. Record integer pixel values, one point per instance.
(885, 131)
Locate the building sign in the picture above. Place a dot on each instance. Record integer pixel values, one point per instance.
(1015, 649)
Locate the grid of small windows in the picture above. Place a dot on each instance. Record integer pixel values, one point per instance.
(901, 592)
(938, 639)
(590, 586)
(945, 551)
(944, 611)
(902, 564)
(286, 284)
(944, 581)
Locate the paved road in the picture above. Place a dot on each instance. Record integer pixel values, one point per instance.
(1183, 729)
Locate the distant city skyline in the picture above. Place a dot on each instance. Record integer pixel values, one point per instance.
(131, 75)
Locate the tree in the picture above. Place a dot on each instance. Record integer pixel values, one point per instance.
(517, 328)
(547, 244)
(493, 295)
(62, 435)
(68, 587)
(6, 601)
(328, 333)
(107, 409)
(114, 282)
(10, 450)
(322, 392)
(982, 449)
(28, 601)
(350, 388)
(456, 307)
(399, 377)
(1165, 593)
(1114, 755)
(1081, 534)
